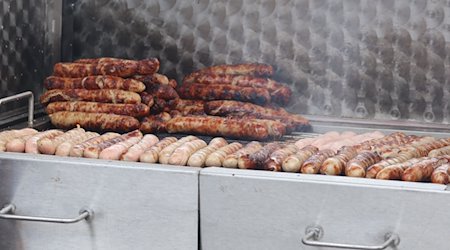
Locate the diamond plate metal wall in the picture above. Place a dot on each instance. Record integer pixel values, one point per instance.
(29, 45)
(375, 59)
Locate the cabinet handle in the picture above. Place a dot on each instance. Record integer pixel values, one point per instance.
(7, 212)
(315, 233)
(27, 94)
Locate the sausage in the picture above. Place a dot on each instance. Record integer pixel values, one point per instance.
(304, 142)
(10, 135)
(280, 93)
(155, 123)
(94, 121)
(115, 151)
(182, 154)
(294, 162)
(422, 170)
(93, 151)
(224, 92)
(138, 149)
(226, 108)
(152, 154)
(159, 105)
(231, 160)
(164, 155)
(78, 149)
(135, 110)
(357, 166)
(113, 67)
(48, 145)
(31, 145)
(395, 171)
(312, 164)
(439, 151)
(18, 144)
(336, 164)
(64, 148)
(273, 163)
(253, 69)
(188, 107)
(154, 78)
(440, 174)
(198, 158)
(94, 82)
(96, 95)
(216, 158)
(219, 126)
(256, 160)
(161, 91)
(147, 99)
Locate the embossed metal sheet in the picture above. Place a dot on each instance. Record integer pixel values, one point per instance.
(29, 41)
(375, 59)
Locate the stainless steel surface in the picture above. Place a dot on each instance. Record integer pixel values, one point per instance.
(7, 212)
(136, 205)
(371, 59)
(242, 209)
(315, 233)
(30, 96)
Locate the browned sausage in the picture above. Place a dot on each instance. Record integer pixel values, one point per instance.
(94, 121)
(152, 154)
(162, 91)
(231, 160)
(216, 158)
(422, 170)
(312, 164)
(336, 164)
(275, 160)
(155, 123)
(357, 166)
(114, 67)
(188, 107)
(78, 149)
(253, 69)
(440, 174)
(94, 82)
(94, 151)
(256, 160)
(135, 110)
(101, 95)
(219, 126)
(293, 163)
(224, 92)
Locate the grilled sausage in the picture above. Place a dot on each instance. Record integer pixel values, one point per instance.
(7, 136)
(188, 107)
(181, 155)
(226, 108)
(48, 145)
(422, 170)
(115, 151)
(336, 164)
(93, 151)
(159, 105)
(273, 163)
(64, 148)
(279, 92)
(357, 166)
(94, 82)
(198, 158)
(256, 160)
(94, 121)
(216, 158)
(97, 95)
(439, 151)
(219, 126)
(152, 154)
(116, 67)
(164, 155)
(252, 69)
(312, 164)
(78, 149)
(155, 123)
(138, 149)
(135, 110)
(155, 79)
(147, 99)
(231, 160)
(224, 92)
(161, 91)
(293, 163)
(441, 174)
(31, 145)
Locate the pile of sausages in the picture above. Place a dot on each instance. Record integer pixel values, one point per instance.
(372, 155)
(105, 94)
(235, 101)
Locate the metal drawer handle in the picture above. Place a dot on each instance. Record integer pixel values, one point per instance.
(315, 233)
(22, 95)
(7, 212)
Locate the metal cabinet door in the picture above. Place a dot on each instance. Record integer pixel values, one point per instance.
(135, 205)
(241, 209)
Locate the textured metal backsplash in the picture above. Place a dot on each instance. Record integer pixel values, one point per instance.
(29, 45)
(348, 58)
